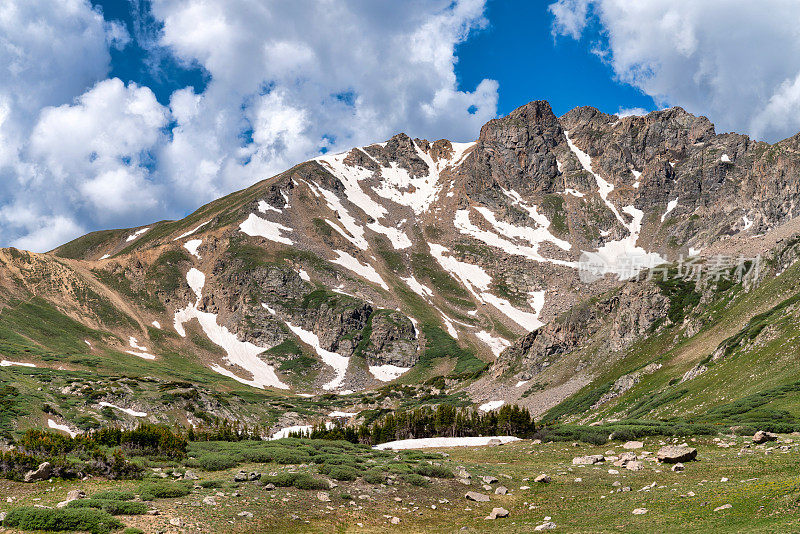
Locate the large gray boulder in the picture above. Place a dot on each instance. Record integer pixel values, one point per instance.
(763, 437)
(673, 454)
(477, 497)
(588, 460)
(43, 472)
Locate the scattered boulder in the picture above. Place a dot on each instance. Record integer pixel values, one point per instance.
(209, 500)
(672, 454)
(269, 487)
(477, 497)
(544, 479)
(395, 520)
(632, 445)
(639, 511)
(463, 473)
(254, 476)
(678, 467)
(634, 466)
(501, 490)
(3, 516)
(323, 496)
(763, 437)
(549, 525)
(43, 472)
(189, 475)
(588, 460)
(241, 476)
(464, 481)
(494, 442)
(497, 512)
(72, 495)
(489, 479)
(723, 507)
(245, 514)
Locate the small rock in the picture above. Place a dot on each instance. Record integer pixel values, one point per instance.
(678, 467)
(3, 516)
(211, 501)
(544, 479)
(477, 497)
(639, 511)
(323, 496)
(501, 490)
(723, 507)
(175, 521)
(241, 476)
(464, 481)
(545, 526)
(494, 443)
(269, 487)
(189, 475)
(497, 512)
(489, 479)
(254, 476)
(245, 514)
(395, 520)
(613, 472)
(633, 445)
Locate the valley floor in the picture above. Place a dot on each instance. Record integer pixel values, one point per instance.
(761, 483)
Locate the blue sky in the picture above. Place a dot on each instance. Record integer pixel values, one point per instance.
(518, 50)
(116, 113)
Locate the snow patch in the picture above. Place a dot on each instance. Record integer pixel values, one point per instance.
(304, 275)
(156, 324)
(284, 432)
(694, 251)
(126, 410)
(241, 353)
(263, 207)
(192, 245)
(196, 280)
(342, 414)
(429, 443)
(366, 271)
(491, 405)
(141, 352)
(136, 234)
(671, 205)
(747, 222)
(64, 428)
(418, 288)
(496, 344)
(725, 158)
(387, 372)
(190, 232)
(105, 256)
(332, 359)
(256, 226)
(7, 363)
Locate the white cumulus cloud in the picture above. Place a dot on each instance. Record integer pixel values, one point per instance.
(285, 80)
(736, 61)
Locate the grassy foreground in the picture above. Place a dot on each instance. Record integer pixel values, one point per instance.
(760, 483)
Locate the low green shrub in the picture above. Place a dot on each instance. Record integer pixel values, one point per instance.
(207, 484)
(339, 472)
(62, 519)
(298, 480)
(416, 480)
(133, 530)
(162, 490)
(112, 507)
(114, 495)
(434, 471)
(374, 476)
(216, 462)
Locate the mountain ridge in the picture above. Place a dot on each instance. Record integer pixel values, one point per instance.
(424, 264)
